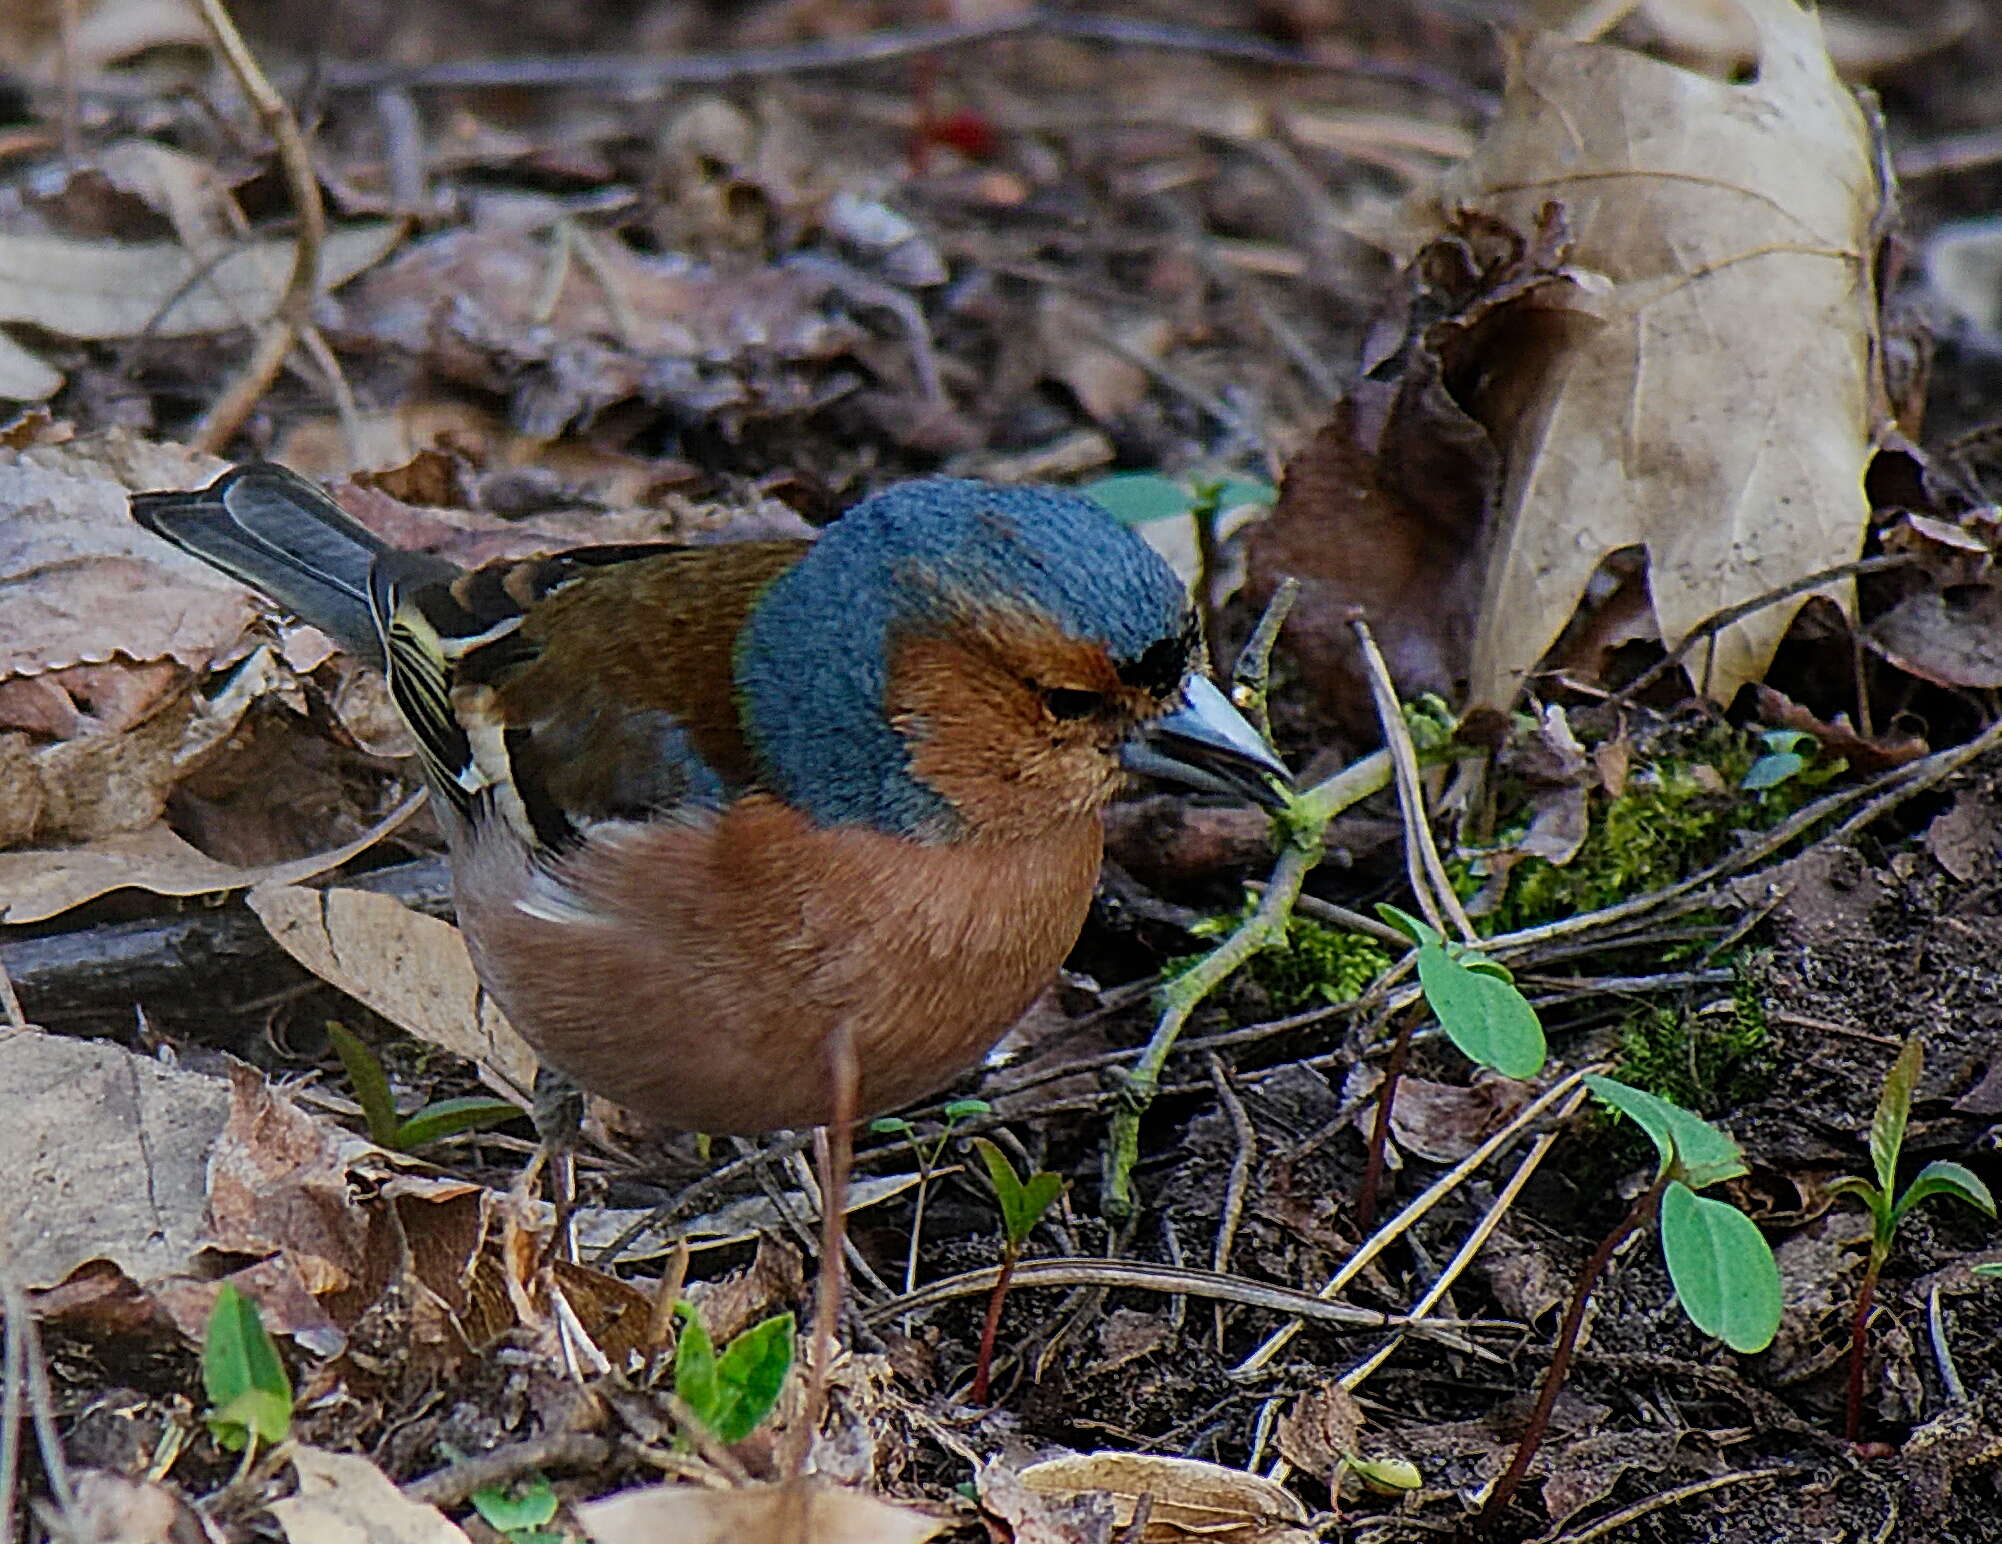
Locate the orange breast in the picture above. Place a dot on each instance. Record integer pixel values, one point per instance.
(699, 978)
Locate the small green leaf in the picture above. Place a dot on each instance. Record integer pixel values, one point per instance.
(1485, 1016)
(695, 1365)
(1894, 1110)
(1022, 1204)
(1140, 498)
(449, 1117)
(750, 1374)
(966, 1109)
(889, 1125)
(1234, 491)
(512, 1509)
(1771, 771)
(1946, 1179)
(371, 1085)
(732, 1393)
(1703, 1155)
(1722, 1267)
(1883, 1221)
(1407, 924)
(1989, 1268)
(242, 1374)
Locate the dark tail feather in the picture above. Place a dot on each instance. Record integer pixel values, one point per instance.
(283, 537)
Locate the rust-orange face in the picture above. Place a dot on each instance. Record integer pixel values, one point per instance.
(957, 661)
(1019, 726)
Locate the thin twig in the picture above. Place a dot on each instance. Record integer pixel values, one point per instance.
(274, 343)
(1439, 1189)
(26, 1367)
(1614, 1522)
(1251, 675)
(627, 72)
(1240, 1176)
(834, 1149)
(1475, 1240)
(1143, 1276)
(1722, 618)
(1421, 851)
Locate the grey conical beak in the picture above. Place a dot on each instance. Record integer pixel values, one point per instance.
(1207, 744)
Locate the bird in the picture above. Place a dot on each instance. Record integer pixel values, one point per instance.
(708, 806)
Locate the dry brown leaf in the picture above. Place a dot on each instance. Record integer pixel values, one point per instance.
(344, 1499)
(1191, 1499)
(1723, 416)
(1320, 1429)
(1384, 510)
(110, 289)
(1949, 637)
(410, 968)
(1440, 1122)
(39, 885)
(80, 583)
(752, 1514)
(106, 1155)
(114, 1508)
(1715, 33)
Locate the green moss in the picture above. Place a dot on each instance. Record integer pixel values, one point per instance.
(1705, 1062)
(1679, 812)
(1320, 964)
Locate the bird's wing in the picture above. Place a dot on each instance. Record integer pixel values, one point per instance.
(592, 685)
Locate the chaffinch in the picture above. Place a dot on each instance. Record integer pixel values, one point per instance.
(706, 804)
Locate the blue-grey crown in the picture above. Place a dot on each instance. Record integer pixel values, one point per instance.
(812, 664)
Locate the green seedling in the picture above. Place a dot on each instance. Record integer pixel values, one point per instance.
(1720, 1264)
(1022, 1203)
(519, 1513)
(250, 1398)
(1789, 755)
(1476, 1000)
(433, 1123)
(1888, 1207)
(734, 1392)
(1482, 1012)
(928, 1157)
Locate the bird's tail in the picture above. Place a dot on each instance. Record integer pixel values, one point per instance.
(283, 537)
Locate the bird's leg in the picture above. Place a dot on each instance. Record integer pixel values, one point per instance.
(558, 1114)
(833, 1151)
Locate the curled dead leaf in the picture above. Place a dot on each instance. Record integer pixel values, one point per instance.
(1723, 415)
(1189, 1499)
(798, 1513)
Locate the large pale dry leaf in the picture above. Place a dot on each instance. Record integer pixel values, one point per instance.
(752, 1514)
(80, 582)
(110, 289)
(1722, 417)
(38, 885)
(344, 1499)
(106, 1157)
(410, 968)
(1190, 1499)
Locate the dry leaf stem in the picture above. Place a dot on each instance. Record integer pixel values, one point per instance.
(1637, 1217)
(220, 424)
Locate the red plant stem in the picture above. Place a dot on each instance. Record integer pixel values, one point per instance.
(1560, 1356)
(1859, 1326)
(1379, 1133)
(995, 1299)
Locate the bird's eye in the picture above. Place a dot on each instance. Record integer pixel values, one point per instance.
(1069, 702)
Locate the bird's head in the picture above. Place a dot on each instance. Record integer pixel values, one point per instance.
(959, 660)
